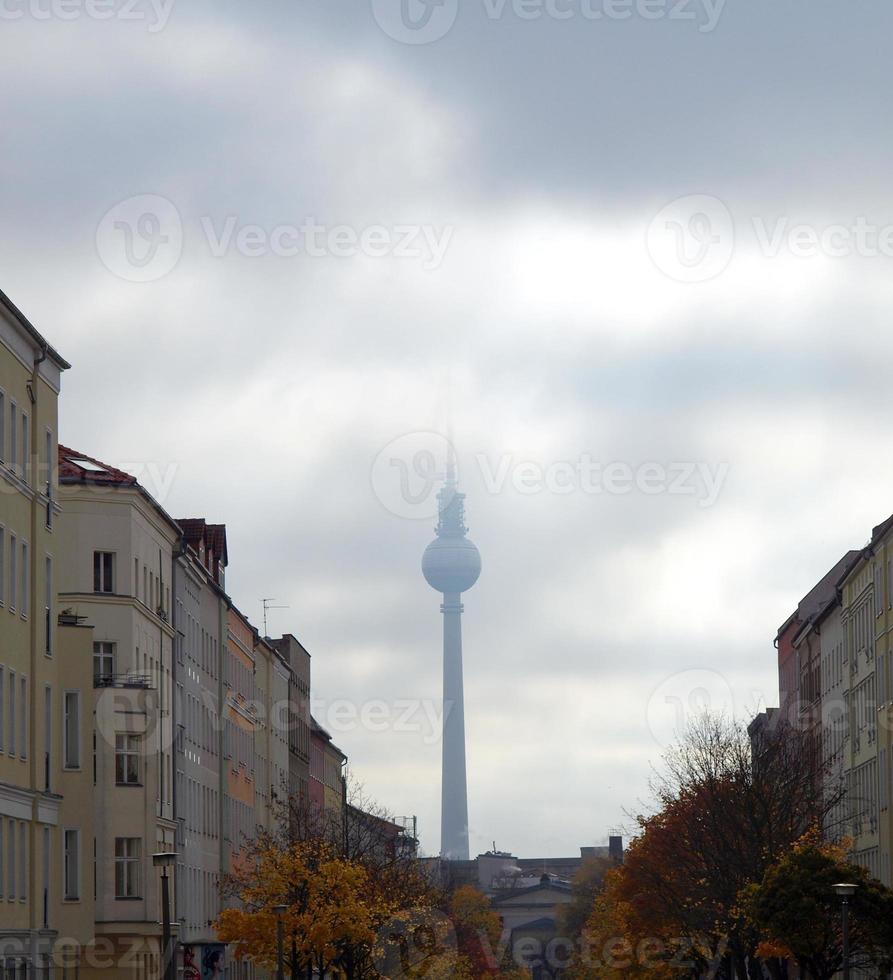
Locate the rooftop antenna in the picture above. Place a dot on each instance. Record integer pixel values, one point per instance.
(268, 604)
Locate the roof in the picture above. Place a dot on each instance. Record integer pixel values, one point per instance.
(543, 924)
(823, 595)
(29, 329)
(551, 885)
(197, 529)
(75, 467)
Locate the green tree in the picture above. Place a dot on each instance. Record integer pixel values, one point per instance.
(797, 911)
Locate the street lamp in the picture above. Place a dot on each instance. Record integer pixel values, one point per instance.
(279, 911)
(845, 890)
(165, 860)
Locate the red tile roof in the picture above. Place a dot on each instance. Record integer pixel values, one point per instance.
(73, 470)
(197, 529)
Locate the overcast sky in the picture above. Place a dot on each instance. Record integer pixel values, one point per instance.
(651, 233)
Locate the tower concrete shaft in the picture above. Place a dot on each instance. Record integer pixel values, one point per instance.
(454, 790)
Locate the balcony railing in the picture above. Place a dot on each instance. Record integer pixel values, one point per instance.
(143, 681)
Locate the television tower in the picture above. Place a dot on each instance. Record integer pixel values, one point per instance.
(451, 565)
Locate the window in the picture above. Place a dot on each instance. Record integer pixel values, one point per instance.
(23, 717)
(71, 865)
(2, 426)
(48, 607)
(127, 867)
(11, 860)
(26, 451)
(103, 663)
(127, 760)
(2, 566)
(72, 729)
(26, 579)
(47, 734)
(103, 571)
(13, 546)
(23, 861)
(12, 713)
(13, 458)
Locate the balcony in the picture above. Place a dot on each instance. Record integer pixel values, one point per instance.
(134, 681)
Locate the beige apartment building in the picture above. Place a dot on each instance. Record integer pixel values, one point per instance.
(114, 575)
(44, 691)
(866, 621)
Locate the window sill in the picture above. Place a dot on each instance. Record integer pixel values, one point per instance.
(129, 786)
(128, 898)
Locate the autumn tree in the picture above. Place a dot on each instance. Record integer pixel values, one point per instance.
(329, 908)
(354, 892)
(795, 909)
(586, 885)
(727, 809)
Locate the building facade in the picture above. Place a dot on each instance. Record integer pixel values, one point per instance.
(45, 837)
(199, 619)
(117, 547)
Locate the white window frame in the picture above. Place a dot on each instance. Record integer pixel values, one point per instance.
(131, 869)
(126, 753)
(110, 653)
(102, 590)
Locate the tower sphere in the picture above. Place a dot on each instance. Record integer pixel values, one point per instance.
(451, 564)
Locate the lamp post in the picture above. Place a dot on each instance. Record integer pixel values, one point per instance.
(845, 890)
(165, 860)
(279, 911)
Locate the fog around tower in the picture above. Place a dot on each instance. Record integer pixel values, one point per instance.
(651, 465)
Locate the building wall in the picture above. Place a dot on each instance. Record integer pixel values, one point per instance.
(28, 519)
(861, 748)
(238, 771)
(835, 721)
(69, 886)
(133, 700)
(198, 737)
(298, 733)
